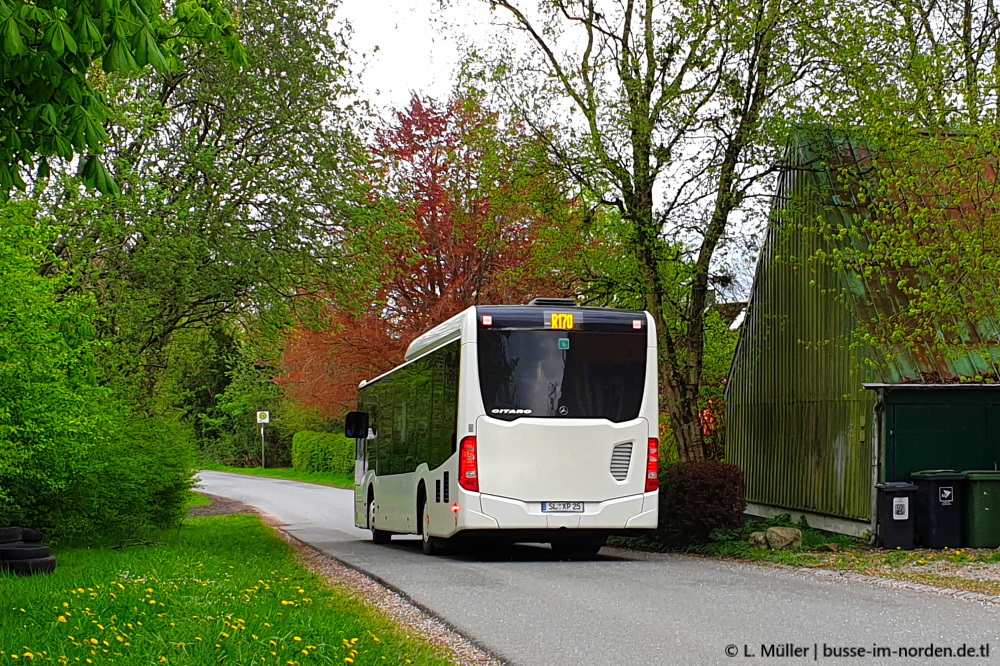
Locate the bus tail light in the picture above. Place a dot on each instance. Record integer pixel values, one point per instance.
(468, 466)
(653, 465)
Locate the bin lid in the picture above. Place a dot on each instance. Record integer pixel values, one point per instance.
(942, 474)
(982, 474)
(898, 485)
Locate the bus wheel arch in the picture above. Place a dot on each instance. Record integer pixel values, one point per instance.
(378, 536)
(429, 544)
(421, 506)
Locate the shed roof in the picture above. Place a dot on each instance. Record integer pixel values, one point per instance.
(878, 197)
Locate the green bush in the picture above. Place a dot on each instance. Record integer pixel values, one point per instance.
(73, 460)
(322, 452)
(137, 481)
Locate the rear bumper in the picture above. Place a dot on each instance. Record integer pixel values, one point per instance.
(622, 514)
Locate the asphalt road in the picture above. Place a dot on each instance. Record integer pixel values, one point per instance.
(625, 608)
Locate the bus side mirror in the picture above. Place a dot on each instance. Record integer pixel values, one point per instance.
(356, 425)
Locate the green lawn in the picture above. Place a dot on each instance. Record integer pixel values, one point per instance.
(322, 478)
(196, 499)
(221, 590)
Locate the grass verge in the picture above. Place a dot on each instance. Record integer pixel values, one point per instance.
(321, 478)
(221, 590)
(196, 499)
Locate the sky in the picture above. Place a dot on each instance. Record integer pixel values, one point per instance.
(411, 45)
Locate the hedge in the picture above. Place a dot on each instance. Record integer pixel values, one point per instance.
(322, 452)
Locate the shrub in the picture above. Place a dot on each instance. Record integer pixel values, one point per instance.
(322, 452)
(697, 498)
(73, 461)
(137, 481)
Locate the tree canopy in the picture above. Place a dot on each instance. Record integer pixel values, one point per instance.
(473, 214)
(49, 55)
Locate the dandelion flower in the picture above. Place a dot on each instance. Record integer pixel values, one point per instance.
(62, 619)
(296, 639)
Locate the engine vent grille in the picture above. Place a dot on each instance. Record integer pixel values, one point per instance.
(621, 456)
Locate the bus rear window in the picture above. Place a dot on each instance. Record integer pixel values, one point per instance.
(562, 374)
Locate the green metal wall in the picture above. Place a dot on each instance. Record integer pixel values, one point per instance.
(798, 419)
(953, 428)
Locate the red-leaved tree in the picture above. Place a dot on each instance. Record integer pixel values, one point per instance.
(470, 214)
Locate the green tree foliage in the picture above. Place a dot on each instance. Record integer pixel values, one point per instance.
(49, 55)
(918, 64)
(229, 431)
(322, 452)
(909, 223)
(677, 111)
(233, 184)
(72, 459)
(913, 208)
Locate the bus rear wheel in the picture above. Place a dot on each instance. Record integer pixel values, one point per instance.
(430, 545)
(380, 537)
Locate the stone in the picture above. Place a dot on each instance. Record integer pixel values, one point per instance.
(782, 538)
(758, 540)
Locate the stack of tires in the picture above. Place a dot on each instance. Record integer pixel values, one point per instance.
(22, 552)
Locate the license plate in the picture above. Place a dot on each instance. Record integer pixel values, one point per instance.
(569, 507)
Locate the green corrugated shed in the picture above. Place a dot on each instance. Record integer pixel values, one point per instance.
(799, 421)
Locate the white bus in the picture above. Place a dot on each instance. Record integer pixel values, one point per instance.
(526, 423)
